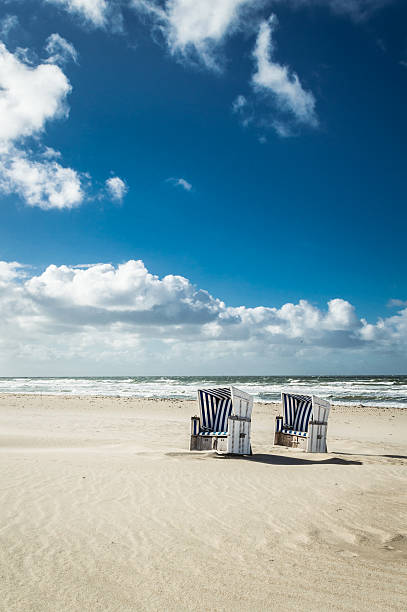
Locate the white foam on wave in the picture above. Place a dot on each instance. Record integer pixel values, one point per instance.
(366, 391)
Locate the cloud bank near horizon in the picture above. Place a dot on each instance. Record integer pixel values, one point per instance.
(107, 318)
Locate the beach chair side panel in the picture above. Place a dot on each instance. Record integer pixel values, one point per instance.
(239, 423)
(317, 431)
(194, 442)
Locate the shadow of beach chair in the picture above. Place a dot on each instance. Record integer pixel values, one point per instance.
(304, 422)
(224, 422)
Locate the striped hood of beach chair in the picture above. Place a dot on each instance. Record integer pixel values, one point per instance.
(216, 408)
(297, 410)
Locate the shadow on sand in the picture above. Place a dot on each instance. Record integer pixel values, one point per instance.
(273, 459)
(270, 459)
(374, 455)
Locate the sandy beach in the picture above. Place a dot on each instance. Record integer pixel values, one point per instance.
(104, 508)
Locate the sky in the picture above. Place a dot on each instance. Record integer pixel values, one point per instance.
(203, 187)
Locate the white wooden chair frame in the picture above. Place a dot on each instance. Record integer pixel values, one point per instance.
(235, 440)
(313, 440)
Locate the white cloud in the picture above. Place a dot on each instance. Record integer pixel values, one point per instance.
(105, 314)
(44, 184)
(93, 11)
(195, 29)
(128, 287)
(50, 153)
(277, 80)
(26, 55)
(60, 50)
(30, 97)
(9, 271)
(116, 188)
(180, 182)
(341, 315)
(387, 333)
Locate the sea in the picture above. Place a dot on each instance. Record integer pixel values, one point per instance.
(355, 390)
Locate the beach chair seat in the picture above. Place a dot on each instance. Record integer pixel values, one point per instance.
(293, 432)
(213, 433)
(224, 421)
(304, 422)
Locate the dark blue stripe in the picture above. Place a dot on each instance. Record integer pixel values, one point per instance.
(302, 415)
(297, 411)
(216, 406)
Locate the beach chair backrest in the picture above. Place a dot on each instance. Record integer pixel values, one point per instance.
(215, 407)
(297, 410)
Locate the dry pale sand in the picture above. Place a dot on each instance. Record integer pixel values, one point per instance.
(103, 508)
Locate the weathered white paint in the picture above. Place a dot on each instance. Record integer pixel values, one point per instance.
(237, 441)
(315, 442)
(317, 429)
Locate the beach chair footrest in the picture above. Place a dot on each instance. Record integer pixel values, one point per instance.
(290, 440)
(217, 441)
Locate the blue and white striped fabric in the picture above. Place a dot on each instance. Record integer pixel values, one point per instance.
(294, 432)
(213, 433)
(216, 407)
(297, 411)
(302, 415)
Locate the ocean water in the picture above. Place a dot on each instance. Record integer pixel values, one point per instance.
(366, 390)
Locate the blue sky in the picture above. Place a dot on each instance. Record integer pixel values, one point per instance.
(255, 149)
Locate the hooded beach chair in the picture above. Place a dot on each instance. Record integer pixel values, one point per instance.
(224, 421)
(304, 422)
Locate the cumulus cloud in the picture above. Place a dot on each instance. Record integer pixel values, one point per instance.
(46, 184)
(9, 271)
(60, 50)
(30, 97)
(124, 314)
(180, 182)
(388, 333)
(195, 29)
(279, 82)
(116, 188)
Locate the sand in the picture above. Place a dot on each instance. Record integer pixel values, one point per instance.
(104, 508)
